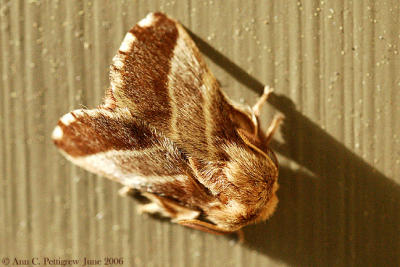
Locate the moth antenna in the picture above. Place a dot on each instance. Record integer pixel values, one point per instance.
(263, 98)
(278, 118)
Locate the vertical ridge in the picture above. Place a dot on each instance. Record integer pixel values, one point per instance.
(19, 151)
(6, 80)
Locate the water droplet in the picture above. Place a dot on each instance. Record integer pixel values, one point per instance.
(22, 224)
(99, 215)
(86, 45)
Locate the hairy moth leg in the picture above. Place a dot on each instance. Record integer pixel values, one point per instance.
(204, 226)
(273, 127)
(167, 208)
(210, 228)
(263, 98)
(164, 207)
(126, 191)
(277, 119)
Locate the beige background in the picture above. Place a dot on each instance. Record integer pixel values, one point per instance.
(335, 69)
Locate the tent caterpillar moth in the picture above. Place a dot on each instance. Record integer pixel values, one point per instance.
(167, 131)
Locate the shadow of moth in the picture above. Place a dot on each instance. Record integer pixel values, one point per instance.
(166, 130)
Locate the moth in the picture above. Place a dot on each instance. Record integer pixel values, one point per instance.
(165, 130)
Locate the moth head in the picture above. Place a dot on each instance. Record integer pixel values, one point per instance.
(249, 195)
(268, 209)
(268, 167)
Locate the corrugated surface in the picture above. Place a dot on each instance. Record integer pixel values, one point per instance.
(335, 68)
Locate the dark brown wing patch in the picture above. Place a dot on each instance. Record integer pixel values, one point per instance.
(87, 132)
(139, 75)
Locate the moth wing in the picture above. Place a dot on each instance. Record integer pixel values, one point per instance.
(114, 144)
(160, 76)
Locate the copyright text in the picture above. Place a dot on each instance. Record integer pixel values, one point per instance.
(48, 261)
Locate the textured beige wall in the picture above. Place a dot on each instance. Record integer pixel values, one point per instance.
(335, 68)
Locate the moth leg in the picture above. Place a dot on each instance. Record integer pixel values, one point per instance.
(210, 228)
(273, 127)
(240, 236)
(126, 191)
(160, 205)
(167, 208)
(263, 98)
(151, 208)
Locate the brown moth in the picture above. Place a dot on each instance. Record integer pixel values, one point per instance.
(167, 131)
